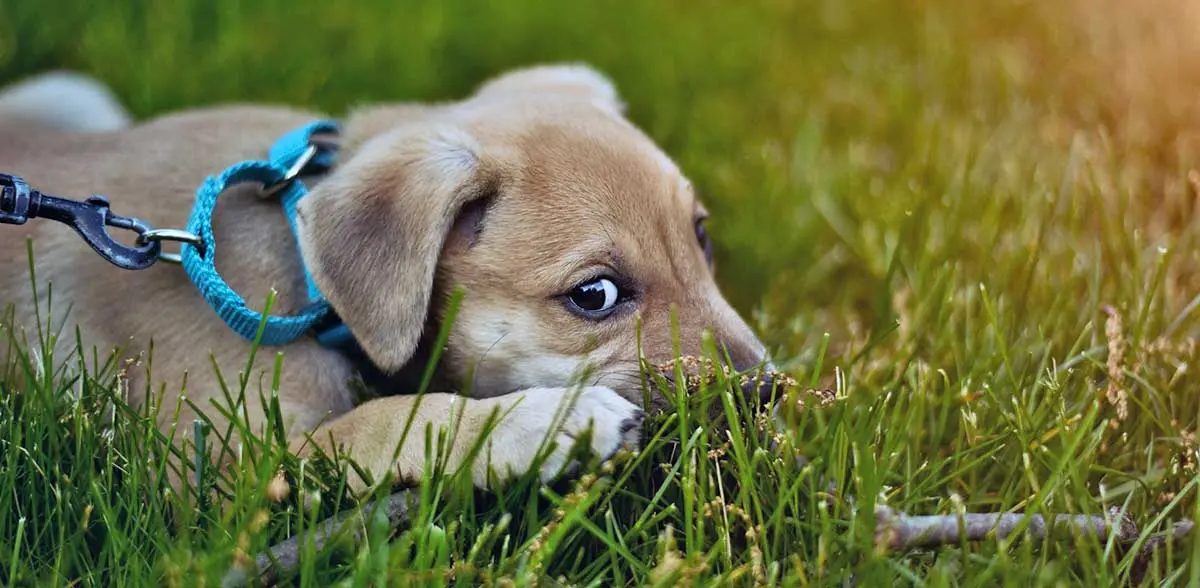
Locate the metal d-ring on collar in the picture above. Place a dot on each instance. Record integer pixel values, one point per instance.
(293, 172)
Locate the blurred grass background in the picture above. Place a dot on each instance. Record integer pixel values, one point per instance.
(986, 205)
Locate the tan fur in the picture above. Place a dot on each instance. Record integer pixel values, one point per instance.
(571, 188)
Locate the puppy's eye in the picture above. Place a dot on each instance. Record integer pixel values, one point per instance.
(594, 299)
(704, 239)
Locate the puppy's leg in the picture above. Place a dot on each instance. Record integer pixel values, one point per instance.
(522, 423)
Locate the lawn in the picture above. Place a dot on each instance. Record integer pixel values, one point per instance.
(975, 222)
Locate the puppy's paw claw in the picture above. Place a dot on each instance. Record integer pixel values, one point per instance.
(615, 424)
(633, 425)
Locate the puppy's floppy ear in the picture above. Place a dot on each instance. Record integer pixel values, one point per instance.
(371, 233)
(574, 80)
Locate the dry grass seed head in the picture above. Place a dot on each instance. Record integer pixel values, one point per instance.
(1114, 333)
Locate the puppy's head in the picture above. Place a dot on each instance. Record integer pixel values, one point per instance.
(579, 246)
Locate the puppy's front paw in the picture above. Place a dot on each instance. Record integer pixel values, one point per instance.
(613, 421)
(561, 416)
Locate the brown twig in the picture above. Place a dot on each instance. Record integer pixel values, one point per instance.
(897, 531)
(284, 557)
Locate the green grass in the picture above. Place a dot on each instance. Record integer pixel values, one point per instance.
(930, 204)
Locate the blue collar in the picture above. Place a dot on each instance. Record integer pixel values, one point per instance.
(293, 154)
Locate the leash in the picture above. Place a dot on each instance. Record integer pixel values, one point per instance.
(296, 153)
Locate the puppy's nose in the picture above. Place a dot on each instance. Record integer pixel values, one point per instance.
(759, 385)
(758, 379)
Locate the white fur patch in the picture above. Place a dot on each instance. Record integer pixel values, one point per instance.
(64, 100)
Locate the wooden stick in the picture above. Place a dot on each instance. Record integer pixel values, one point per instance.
(284, 557)
(898, 531)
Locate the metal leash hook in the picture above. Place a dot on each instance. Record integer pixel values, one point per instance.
(91, 219)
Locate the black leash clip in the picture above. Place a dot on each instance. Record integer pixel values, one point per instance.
(90, 218)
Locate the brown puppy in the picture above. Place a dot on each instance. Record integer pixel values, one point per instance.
(564, 226)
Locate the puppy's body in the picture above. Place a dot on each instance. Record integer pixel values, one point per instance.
(531, 187)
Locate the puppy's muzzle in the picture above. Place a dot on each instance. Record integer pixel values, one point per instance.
(763, 384)
(759, 381)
